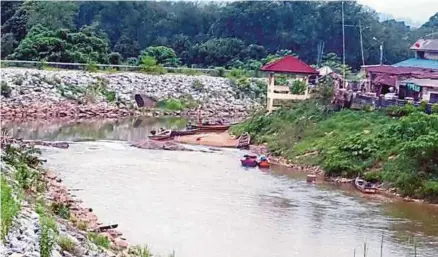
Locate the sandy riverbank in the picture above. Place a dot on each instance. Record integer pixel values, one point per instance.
(222, 139)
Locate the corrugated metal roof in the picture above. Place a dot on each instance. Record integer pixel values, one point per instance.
(289, 64)
(422, 82)
(425, 45)
(392, 70)
(420, 63)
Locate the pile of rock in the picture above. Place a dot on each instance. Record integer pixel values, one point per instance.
(63, 109)
(47, 94)
(59, 194)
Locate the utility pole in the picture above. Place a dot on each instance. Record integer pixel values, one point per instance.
(361, 43)
(381, 53)
(343, 43)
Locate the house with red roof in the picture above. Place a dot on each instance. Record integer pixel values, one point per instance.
(290, 66)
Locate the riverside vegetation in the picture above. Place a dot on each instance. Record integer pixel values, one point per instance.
(397, 146)
(33, 224)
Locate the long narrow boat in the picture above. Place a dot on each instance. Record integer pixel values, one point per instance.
(364, 186)
(244, 141)
(162, 135)
(210, 127)
(184, 132)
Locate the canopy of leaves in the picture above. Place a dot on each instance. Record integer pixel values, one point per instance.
(62, 46)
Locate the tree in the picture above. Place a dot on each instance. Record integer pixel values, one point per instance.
(127, 47)
(163, 55)
(115, 58)
(8, 45)
(53, 15)
(218, 51)
(61, 46)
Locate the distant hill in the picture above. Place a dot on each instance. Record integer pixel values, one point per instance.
(408, 21)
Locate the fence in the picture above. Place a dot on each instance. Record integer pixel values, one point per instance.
(83, 66)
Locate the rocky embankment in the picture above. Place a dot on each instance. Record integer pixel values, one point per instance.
(42, 217)
(31, 93)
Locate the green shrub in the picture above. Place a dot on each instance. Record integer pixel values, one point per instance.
(27, 178)
(430, 190)
(149, 64)
(281, 80)
(110, 96)
(49, 232)
(435, 108)
(60, 209)
(400, 111)
(91, 66)
(171, 105)
(140, 251)
(188, 71)
(5, 89)
(67, 244)
(198, 86)
(82, 225)
(9, 208)
(373, 176)
(423, 106)
(220, 72)
(99, 240)
(298, 87)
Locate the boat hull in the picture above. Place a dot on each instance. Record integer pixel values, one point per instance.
(162, 136)
(209, 127)
(244, 141)
(184, 132)
(264, 164)
(360, 185)
(249, 163)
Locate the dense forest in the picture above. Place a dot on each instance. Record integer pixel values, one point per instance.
(200, 34)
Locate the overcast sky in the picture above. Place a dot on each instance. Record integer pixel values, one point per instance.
(417, 10)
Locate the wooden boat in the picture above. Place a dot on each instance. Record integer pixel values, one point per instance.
(311, 178)
(162, 135)
(184, 132)
(364, 186)
(244, 141)
(249, 162)
(264, 164)
(210, 127)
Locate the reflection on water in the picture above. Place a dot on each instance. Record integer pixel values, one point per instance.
(129, 129)
(202, 204)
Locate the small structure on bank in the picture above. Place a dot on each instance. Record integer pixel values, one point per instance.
(292, 66)
(145, 101)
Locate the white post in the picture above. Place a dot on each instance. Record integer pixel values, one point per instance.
(306, 92)
(271, 84)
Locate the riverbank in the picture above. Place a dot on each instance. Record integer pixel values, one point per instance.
(42, 217)
(41, 94)
(396, 148)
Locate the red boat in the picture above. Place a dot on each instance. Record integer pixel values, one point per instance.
(164, 135)
(185, 132)
(249, 161)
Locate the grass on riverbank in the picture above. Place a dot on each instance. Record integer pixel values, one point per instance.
(9, 208)
(402, 151)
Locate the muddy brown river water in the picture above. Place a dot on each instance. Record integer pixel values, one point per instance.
(205, 204)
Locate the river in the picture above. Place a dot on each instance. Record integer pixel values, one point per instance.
(205, 204)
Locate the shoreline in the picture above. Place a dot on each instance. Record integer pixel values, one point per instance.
(388, 193)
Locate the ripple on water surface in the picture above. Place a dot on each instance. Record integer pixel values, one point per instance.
(205, 204)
